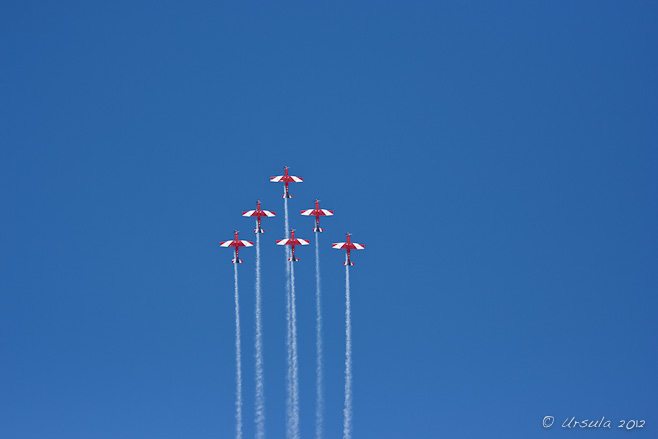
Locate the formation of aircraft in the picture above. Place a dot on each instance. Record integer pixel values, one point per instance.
(258, 214)
(349, 245)
(292, 242)
(317, 213)
(286, 179)
(237, 243)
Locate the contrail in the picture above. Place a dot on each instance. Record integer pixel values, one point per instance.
(238, 361)
(260, 388)
(319, 402)
(347, 411)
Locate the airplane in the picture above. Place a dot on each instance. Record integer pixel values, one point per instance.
(317, 213)
(237, 243)
(292, 242)
(286, 179)
(349, 245)
(258, 214)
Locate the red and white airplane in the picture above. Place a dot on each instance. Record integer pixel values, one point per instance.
(292, 242)
(258, 214)
(237, 243)
(286, 179)
(317, 213)
(349, 245)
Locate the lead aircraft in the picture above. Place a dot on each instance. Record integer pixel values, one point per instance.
(286, 179)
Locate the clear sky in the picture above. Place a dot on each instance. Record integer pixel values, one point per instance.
(498, 160)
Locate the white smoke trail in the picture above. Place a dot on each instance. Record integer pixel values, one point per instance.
(238, 361)
(260, 387)
(295, 368)
(285, 208)
(289, 383)
(288, 330)
(292, 401)
(347, 411)
(319, 402)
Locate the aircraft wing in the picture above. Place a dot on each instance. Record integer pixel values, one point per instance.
(291, 178)
(255, 213)
(295, 241)
(234, 243)
(345, 246)
(321, 212)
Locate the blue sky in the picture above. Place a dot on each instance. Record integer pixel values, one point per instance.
(497, 159)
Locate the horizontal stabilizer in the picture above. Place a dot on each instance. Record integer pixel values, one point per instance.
(318, 229)
(351, 263)
(237, 261)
